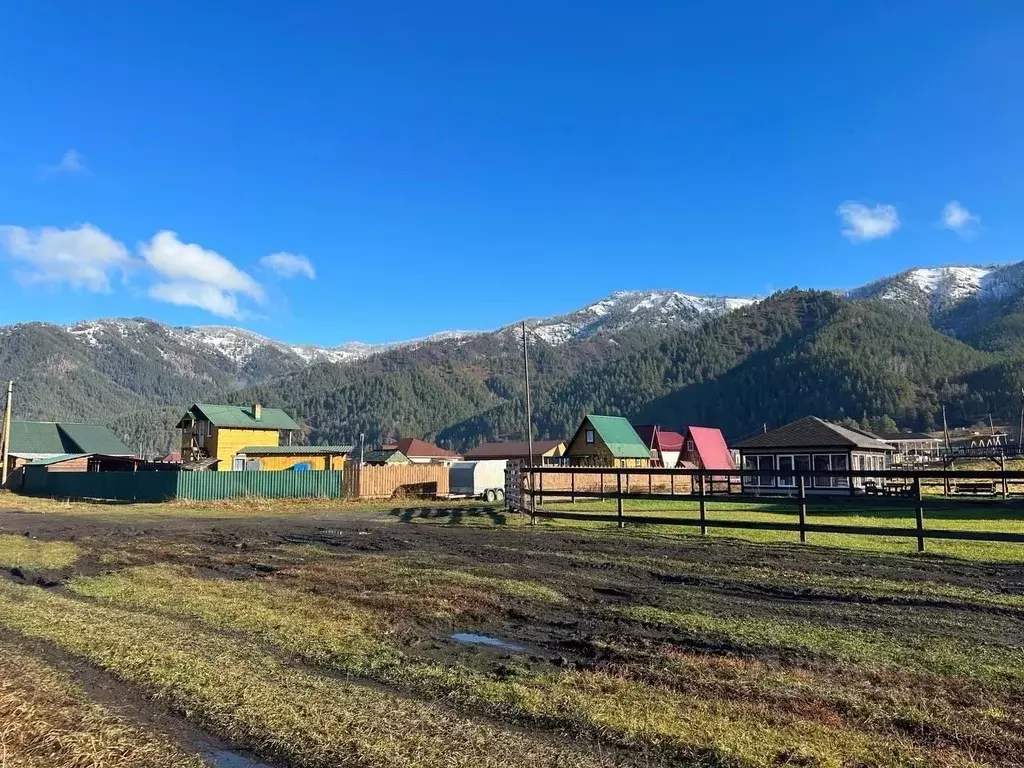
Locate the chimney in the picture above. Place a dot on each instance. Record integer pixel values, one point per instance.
(257, 411)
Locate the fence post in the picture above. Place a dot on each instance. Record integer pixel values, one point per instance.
(618, 483)
(572, 486)
(1002, 469)
(533, 499)
(672, 484)
(802, 506)
(920, 514)
(703, 506)
(541, 489)
(602, 484)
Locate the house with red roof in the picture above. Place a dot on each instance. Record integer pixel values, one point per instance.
(705, 448)
(665, 446)
(670, 447)
(421, 452)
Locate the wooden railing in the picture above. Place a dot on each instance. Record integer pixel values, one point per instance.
(908, 492)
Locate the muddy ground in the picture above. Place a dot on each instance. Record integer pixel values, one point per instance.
(597, 567)
(598, 570)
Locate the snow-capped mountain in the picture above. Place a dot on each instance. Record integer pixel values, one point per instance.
(627, 309)
(231, 347)
(935, 290)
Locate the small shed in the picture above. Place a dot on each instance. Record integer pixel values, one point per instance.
(607, 441)
(384, 458)
(32, 473)
(280, 457)
(421, 452)
(811, 444)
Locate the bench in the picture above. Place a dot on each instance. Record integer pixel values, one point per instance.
(975, 487)
(897, 488)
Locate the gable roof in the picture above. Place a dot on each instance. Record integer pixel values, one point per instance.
(710, 446)
(239, 417)
(512, 450)
(670, 441)
(42, 438)
(618, 436)
(39, 437)
(95, 438)
(385, 457)
(413, 447)
(812, 432)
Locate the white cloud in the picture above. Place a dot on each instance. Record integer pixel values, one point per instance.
(83, 258)
(72, 162)
(959, 219)
(197, 277)
(862, 224)
(289, 265)
(189, 294)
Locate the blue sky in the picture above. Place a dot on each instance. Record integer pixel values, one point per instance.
(462, 164)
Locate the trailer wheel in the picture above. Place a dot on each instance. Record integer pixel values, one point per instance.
(489, 495)
(500, 493)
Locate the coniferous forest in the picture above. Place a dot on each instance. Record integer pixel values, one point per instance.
(795, 353)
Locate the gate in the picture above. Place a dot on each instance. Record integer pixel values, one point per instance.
(514, 486)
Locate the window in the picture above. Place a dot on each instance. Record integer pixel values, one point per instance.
(759, 463)
(590, 436)
(831, 462)
(794, 464)
(238, 464)
(689, 446)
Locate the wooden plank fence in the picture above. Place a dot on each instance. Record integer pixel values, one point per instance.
(389, 481)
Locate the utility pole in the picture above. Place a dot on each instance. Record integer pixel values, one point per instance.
(1020, 434)
(5, 437)
(362, 446)
(945, 427)
(529, 413)
(991, 426)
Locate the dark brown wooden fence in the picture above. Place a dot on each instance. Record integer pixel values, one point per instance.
(882, 489)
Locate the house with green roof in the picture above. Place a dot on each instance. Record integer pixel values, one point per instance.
(607, 441)
(222, 432)
(46, 440)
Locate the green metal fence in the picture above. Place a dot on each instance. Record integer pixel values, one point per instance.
(200, 486)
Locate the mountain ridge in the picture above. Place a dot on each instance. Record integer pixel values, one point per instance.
(463, 386)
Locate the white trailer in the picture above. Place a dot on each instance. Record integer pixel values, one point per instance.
(478, 479)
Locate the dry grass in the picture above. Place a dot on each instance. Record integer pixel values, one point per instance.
(256, 700)
(617, 705)
(23, 552)
(46, 721)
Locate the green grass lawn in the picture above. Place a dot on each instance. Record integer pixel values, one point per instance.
(970, 515)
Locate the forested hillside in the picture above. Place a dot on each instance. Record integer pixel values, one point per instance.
(876, 361)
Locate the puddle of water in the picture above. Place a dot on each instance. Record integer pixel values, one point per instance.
(492, 642)
(225, 758)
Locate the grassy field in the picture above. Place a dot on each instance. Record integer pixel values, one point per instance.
(328, 638)
(969, 515)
